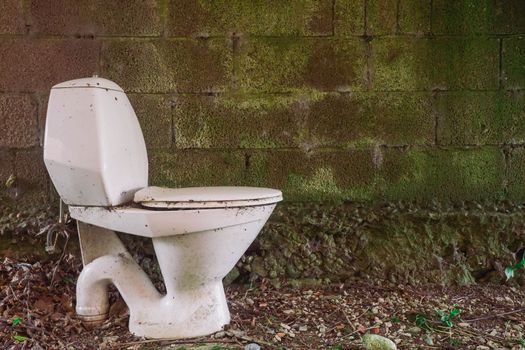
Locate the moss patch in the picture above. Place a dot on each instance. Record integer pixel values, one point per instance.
(401, 242)
(295, 65)
(477, 118)
(513, 62)
(450, 175)
(212, 18)
(164, 66)
(439, 63)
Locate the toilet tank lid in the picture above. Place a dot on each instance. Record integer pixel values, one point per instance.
(92, 82)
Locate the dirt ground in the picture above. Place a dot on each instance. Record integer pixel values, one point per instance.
(37, 312)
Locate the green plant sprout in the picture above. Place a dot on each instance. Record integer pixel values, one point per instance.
(20, 338)
(446, 318)
(509, 270)
(16, 321)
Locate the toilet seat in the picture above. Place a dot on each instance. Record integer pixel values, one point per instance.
(206, 197)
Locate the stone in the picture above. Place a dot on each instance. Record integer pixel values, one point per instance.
(414, 330)
(252, 346)
(231, 276)
(377, 342)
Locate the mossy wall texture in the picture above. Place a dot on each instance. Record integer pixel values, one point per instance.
(329, 100)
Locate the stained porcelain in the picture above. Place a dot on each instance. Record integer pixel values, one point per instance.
(95, 154)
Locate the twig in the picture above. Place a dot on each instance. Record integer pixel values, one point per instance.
(174, 341)
(495, 315)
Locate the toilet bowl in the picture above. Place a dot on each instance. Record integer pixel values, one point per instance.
(96, 157)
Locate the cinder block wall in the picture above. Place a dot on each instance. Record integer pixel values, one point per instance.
(325, 99)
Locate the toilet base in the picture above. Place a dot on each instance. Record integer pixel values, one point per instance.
(186, 314)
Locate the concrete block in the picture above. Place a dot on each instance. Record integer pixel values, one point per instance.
(435, 64)
(284, 64)
(266, 18)
(155, 118)
(96, 17)
(349, 17)
(319, 176)
(183, 168)
(414, 16)
(450, 175)
(238, 121)
(35, 65)
(513, 68)
(478, 17)
(12, 17)
(381, 17)
(516, 175)
(163, 66)
(478, 118)
(18, 121)
(31, 174)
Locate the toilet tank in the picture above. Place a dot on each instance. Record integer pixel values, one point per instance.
(94, 150)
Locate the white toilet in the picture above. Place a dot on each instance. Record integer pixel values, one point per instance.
(95, 154)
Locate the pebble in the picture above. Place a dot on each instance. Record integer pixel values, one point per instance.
(220, 334)
(237, 333)
(252, 346)
(414, 330)
(377, 342)
(482, 347)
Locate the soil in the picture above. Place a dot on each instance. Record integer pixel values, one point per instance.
(37, 312)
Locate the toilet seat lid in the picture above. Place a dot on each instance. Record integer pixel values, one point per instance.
(206, 197)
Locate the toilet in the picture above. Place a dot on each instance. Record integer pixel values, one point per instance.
(96, 157)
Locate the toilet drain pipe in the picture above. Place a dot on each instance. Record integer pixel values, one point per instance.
(121, 270)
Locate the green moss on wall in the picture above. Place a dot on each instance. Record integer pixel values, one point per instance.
(401, 242)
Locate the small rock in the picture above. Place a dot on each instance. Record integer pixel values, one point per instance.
(303, 328)
(428, 339)
(252, 346)
(414, 330)
(464, 324)
(231, 276)
(377, 342)
(237, 333)
(220, 334)
(482, 347)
